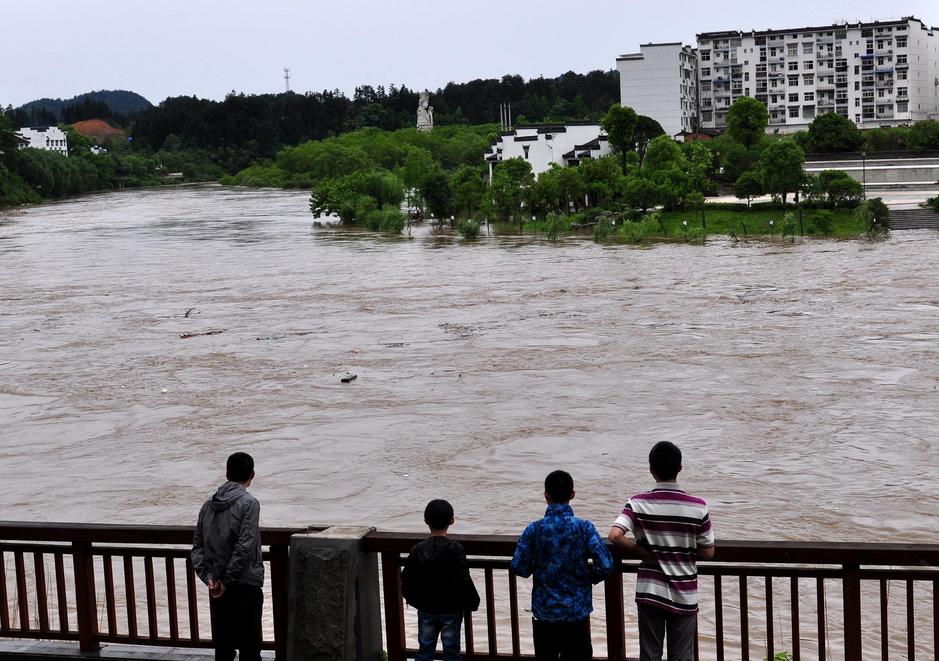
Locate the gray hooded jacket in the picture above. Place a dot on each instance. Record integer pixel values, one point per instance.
(227, 542)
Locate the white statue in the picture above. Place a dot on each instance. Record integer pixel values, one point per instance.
(425, 112)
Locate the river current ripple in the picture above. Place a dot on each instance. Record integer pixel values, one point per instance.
(799, 380)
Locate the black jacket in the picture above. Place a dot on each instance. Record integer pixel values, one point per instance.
(436, 579)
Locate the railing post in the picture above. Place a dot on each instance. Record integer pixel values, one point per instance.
(851, 585)
(331, 612)
(279, 559)
(394, 610)
(85, 599)
(615, 612)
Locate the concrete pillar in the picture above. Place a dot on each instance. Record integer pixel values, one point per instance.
(333, 605)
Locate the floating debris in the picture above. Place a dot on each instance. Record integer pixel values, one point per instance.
(348, 377)
(186, 336)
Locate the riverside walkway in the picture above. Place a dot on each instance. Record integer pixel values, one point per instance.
(333, 593)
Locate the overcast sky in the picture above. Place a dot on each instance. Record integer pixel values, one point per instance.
(162, 48)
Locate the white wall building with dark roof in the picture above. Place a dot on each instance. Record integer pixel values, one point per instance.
(547, 145)
(660, 81)
(50, 138)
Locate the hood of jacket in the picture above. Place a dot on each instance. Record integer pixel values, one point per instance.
(227, 495)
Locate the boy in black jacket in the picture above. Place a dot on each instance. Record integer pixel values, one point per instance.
(436, 581)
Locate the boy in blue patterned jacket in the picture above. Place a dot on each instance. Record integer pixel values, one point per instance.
(556, 550)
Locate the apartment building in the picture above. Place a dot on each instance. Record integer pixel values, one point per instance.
(660, 81)
(882, 73)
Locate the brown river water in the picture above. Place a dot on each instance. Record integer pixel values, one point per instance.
(799, 380)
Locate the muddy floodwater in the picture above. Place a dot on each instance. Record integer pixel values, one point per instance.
(145, 335)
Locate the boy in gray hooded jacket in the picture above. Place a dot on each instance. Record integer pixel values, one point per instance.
(226, 554)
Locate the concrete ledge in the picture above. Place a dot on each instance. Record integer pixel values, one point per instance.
(31, 650)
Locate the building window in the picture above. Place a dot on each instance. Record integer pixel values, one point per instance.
(807, 48)
(808, 65)
(705, 56)
(901, 42)
(793, 66)
(903, 106)
(808, 80)
(901, 59)
(794, 98)
(525, 149)
(809, 96)
(706, 71)
(793, 80)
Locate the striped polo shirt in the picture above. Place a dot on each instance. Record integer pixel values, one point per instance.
(672, 525)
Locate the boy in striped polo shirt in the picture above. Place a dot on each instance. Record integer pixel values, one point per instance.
(671, 530)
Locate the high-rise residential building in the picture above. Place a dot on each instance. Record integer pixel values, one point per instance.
(882, 73)
(660, 81)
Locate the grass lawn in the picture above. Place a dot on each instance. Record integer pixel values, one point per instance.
(756, 222)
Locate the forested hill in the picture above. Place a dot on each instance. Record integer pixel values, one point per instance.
(101, 104)
(260, 125)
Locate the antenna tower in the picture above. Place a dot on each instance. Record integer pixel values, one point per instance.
(287, 78)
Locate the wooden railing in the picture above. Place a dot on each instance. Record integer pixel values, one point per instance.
(813, 600)
(135, 585)
(82, 582)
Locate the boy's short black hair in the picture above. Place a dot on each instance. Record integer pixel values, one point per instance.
(665, 460)
(239, 467)
(438, 514)
(559, 485)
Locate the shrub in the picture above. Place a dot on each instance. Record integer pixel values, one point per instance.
(822, 221)
(553, 225)
(933, 203)
(468, 229)
(603, 229)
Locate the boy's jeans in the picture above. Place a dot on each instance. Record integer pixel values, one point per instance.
(445, 625)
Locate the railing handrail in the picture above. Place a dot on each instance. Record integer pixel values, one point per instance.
(34, 531)
(736, 551)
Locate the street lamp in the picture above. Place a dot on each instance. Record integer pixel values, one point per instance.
(864, 174)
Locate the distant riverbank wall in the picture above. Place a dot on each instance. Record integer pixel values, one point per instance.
(882, 170)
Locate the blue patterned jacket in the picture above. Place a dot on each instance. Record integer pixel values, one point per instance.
(555, 550)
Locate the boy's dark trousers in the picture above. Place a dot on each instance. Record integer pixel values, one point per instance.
(236, 623)
(655, 624)
(569, 641)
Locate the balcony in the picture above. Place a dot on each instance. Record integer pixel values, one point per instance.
(883, 52)
(867, 56)
(902, 65)
(825, 103)
(885, 115)
(884, 69)
(824, 40)
(777, 120)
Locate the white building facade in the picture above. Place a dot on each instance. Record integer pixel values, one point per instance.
(883, 73)
(660, 81)
(547, 145)
(50, 138)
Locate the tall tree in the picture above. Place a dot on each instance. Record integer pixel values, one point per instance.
(832, 132)
(620, 125)
(747, 120)
(781, 168)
